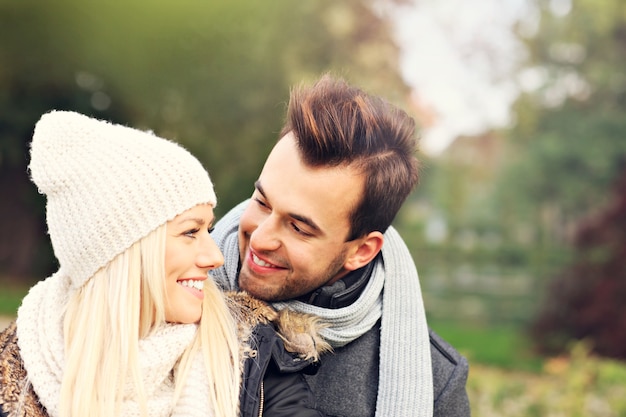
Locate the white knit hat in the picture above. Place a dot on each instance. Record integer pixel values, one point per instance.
(107, 186)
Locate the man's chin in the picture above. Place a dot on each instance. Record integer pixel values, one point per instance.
(255, 288)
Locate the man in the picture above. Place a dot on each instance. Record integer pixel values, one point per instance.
(316, 237)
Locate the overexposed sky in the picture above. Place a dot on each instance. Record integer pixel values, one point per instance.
(459, 58)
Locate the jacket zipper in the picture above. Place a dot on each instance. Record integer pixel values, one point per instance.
(262, 400)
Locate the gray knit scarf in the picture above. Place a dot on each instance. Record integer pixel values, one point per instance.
(405, 381)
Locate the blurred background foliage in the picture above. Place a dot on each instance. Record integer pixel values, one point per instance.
(518, 233)
(214, 76)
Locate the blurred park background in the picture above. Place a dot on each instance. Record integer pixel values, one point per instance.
(518, 227)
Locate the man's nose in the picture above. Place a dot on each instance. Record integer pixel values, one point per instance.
(266, 235)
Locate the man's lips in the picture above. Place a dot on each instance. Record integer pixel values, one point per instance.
(260, 262)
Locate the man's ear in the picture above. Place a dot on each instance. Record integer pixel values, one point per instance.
(365, 249)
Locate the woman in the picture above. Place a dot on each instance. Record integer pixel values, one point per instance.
(115, 330)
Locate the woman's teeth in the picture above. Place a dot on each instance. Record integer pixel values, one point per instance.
(192, 283)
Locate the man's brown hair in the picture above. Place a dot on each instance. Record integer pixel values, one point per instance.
(335, 124)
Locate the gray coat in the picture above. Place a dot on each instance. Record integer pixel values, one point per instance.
(357, 363)
(347, 382)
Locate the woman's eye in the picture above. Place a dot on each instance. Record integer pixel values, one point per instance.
(191, 233)
(211, 229)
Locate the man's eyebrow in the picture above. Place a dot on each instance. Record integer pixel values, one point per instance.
(306, 220)
(303, 219)
(259, 187)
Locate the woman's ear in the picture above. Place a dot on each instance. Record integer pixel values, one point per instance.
(365, 249)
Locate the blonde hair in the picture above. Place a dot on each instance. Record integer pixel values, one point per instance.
(123, 303)
(220, 348)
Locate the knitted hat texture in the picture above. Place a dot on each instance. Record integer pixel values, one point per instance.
(108, 186)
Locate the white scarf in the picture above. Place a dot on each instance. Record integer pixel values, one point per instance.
(405, 378)
(40, 339)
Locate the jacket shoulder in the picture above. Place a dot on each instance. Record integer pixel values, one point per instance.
(13, 379)
(450, 371)
(443, 352)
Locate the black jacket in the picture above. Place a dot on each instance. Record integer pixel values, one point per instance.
(273, 384)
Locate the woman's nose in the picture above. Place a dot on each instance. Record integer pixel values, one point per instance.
(210, 257)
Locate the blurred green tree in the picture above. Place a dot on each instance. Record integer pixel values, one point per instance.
(33, 79)
(214, 76)
(518, 196)
(568, 145)
(569, 152)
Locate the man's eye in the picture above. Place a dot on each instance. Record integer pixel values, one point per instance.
(260, 202)
(298, 230)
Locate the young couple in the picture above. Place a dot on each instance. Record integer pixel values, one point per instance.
(129, 215)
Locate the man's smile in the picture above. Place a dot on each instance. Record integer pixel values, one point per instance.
(260, 262)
